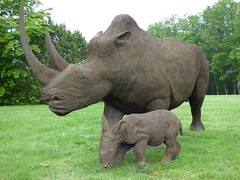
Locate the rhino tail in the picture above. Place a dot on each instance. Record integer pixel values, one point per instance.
(181, 131)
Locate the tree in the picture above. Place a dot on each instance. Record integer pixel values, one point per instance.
(14, 74)
(72, 46)
(221, 36)
(163, 29)
(186, 29)
(217, 32)
(17, 83)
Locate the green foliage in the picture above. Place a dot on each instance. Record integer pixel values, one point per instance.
(17, 83)
(32, 136)
(222, 23)
(72, 46)
(186, 29)
(16, 80)
(217, 32)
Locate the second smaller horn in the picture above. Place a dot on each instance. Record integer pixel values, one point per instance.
(59, 63)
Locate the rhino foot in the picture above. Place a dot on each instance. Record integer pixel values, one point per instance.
(197, 126)
(142, 163)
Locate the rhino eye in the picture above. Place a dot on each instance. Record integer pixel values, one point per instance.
(84, 77)
(55, 97)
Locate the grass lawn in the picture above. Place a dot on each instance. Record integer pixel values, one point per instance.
(37, 144)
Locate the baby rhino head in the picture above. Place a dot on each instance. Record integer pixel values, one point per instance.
(110, 141)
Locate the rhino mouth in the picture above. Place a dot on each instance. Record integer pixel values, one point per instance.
(106, 165)
(56, 102)
(58, 106)
(59, 111)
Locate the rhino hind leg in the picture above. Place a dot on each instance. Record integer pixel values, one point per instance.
(196, 104)
(196, 99)
(172, 150)
(177, 151)
(196, 124)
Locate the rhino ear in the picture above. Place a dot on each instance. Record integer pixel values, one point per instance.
(119, 127)
(105, 125)
(123, 38)
(98, 34)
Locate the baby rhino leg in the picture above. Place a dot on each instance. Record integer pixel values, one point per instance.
(139, 151)
(172, 151)
(123, 148)
(177, 151)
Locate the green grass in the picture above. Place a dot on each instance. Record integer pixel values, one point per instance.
(32, 135)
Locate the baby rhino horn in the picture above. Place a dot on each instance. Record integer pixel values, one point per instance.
(105, 125)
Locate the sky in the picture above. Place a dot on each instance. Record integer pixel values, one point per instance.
(92, 16)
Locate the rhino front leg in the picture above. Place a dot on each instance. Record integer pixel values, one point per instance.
(112, 114)
(139, 151)
(123, 148)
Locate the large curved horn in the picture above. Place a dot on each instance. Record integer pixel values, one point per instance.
(43, 73)
(59, 63)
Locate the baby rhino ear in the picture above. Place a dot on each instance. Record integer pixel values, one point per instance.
(119, 127)
(105, 125)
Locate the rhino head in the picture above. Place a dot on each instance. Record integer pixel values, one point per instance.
(110, 141)
(68, 87)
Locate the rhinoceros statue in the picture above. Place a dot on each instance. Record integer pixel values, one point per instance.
(126, 69)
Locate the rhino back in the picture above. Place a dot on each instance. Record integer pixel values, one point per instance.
(152, 125)
(148, 69)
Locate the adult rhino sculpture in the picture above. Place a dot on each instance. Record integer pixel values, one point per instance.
(127, 69)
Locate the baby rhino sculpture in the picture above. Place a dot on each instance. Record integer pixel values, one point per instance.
(138, 131)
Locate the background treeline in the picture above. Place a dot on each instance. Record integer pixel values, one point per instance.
(216, 31)
(17, 83)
